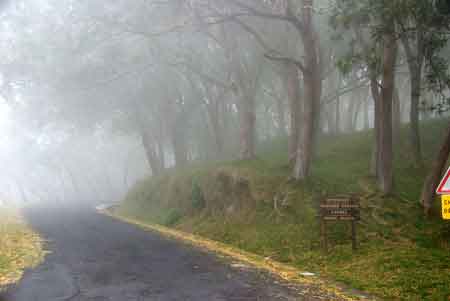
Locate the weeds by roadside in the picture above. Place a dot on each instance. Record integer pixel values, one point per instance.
(20, 247)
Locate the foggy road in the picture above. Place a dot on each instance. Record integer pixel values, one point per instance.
(94, 257)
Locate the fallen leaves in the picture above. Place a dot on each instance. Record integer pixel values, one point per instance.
(329, 290)
(20, 246)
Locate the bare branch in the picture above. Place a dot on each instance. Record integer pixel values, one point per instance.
(333, 96)
(202, 75)
(257, 13)
(283, 59)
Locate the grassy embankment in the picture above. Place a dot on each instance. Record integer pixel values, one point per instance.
(20, 247)
(251, 205)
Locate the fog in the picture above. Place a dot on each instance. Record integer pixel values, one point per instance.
(96, 95)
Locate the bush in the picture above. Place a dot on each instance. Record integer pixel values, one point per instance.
(172, 217)
(198, 201)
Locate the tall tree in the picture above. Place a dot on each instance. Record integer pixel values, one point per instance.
(376, 19)
(434, 176)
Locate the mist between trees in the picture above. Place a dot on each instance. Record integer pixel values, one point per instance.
(97, 94)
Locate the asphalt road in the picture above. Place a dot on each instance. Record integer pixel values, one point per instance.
(94, 257)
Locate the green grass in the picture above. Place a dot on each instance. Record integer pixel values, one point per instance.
(402, 256)
(20, 247)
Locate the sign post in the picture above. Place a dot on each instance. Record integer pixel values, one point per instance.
(444, 190)
(338, 208)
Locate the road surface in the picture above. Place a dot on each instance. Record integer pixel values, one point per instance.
(95, 258)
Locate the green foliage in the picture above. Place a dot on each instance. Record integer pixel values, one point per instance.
(171, 217)
(443, 7)
(416, 21)
(345, 65)
(198, 201)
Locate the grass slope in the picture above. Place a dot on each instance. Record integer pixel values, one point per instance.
(20, 247)
(252, 205)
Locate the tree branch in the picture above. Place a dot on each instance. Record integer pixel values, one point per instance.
(284, 59)
(257, 13)
(331, 97)
(202, 75)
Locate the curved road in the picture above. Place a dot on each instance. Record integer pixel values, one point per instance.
(96, 258)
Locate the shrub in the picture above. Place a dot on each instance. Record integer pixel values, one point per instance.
(198, 200)
(172, 217)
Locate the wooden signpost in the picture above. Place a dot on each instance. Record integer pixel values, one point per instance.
(338, 208)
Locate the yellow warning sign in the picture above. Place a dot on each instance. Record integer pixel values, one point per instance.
(446, 206)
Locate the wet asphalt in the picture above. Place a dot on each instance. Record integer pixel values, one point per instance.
(95, 258)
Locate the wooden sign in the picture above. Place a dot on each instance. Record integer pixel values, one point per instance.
(339, 208)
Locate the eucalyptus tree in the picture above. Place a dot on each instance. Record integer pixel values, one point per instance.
(299, 16)
(376, 19)
(377, 27)
(423, 31)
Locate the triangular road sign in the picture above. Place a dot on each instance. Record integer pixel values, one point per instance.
(444, 186)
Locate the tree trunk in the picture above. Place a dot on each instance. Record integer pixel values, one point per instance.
(218, 138)
(366, 113)
(293, 92)
(375, 161)
(361, 108)
(330, 115)
(150, 152)
(161, 157)
(214, 113)
(247, 128)
(160, 142)
(180, 149)
(351, 111)
(385, 177)
(311, 99)
(281, 116)
(415, 62)
(338, 113)
(433, 178)
(306, 134)
(356, 114)
(414, 133)
(318, 71)
(396, 116)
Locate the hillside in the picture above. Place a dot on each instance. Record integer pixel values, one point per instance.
(253, 205)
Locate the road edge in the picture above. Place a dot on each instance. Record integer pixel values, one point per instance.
(284, 271)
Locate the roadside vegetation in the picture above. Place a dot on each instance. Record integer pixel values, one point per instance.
(254, 206)
(20, 247)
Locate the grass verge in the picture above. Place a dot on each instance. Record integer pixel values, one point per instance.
(284, 271)
(20, 247)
